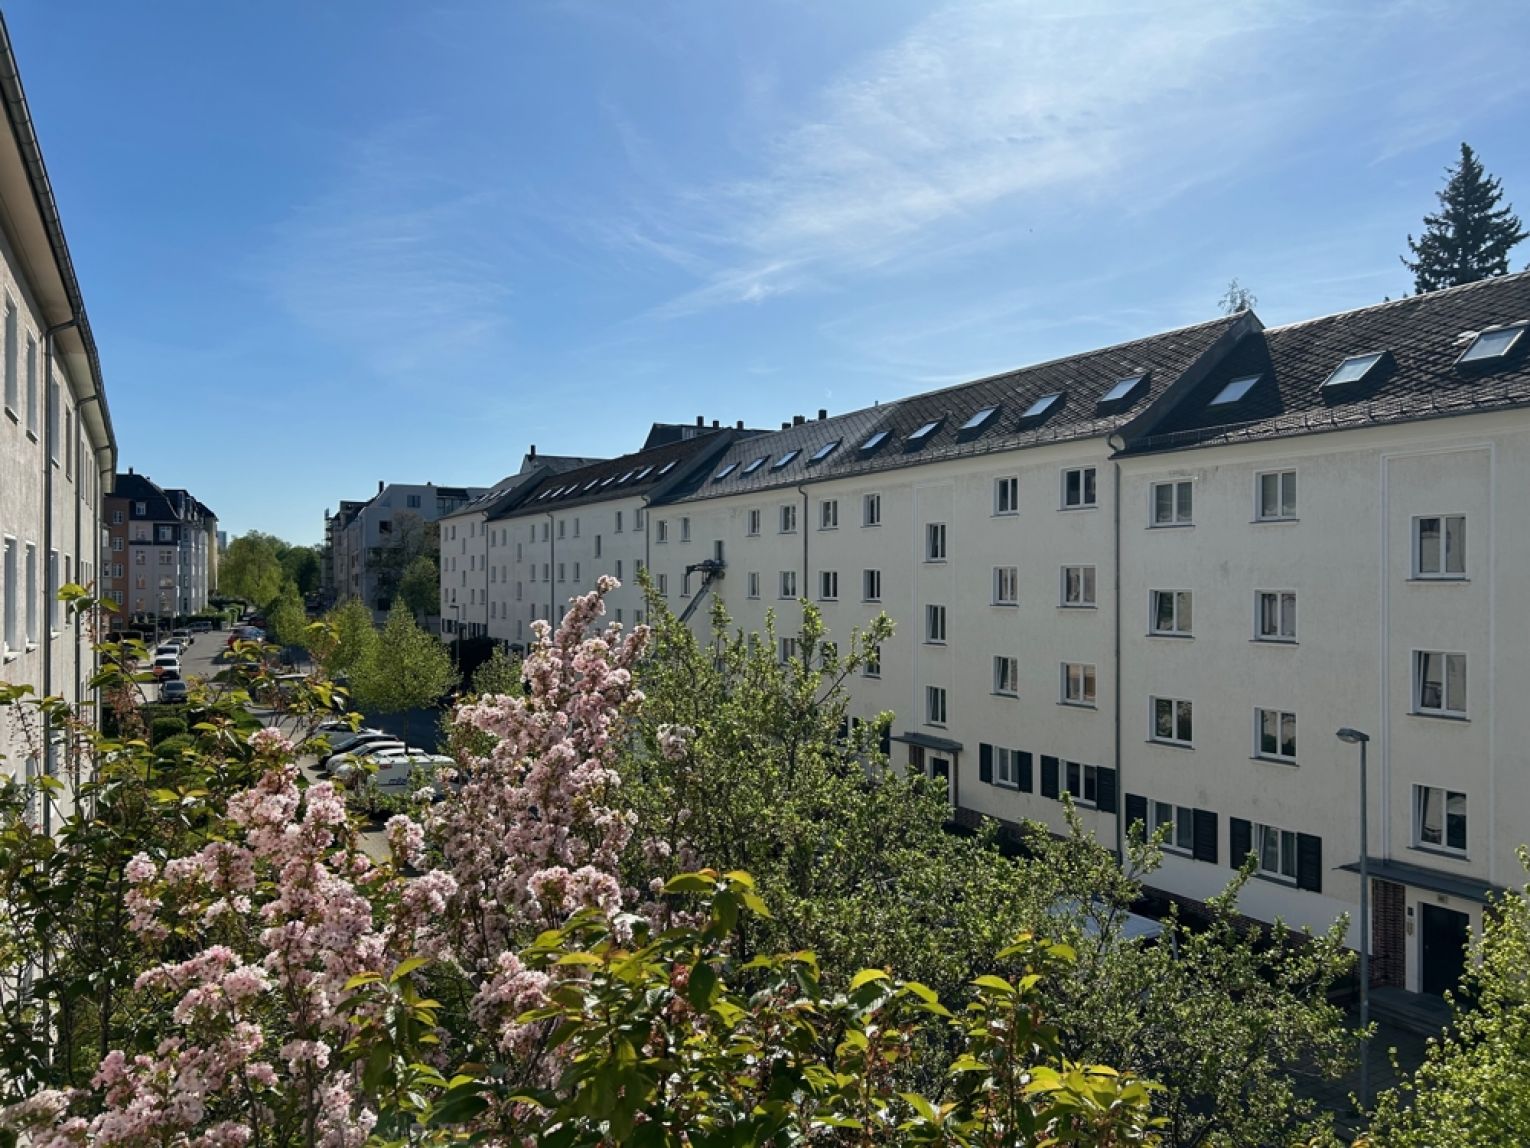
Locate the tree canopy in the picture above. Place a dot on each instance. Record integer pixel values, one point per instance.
(408, 669)
(420, 587)
(251, 569)
(1471, 235)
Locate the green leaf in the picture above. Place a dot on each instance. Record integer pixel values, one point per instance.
(406, 967)
(866, 976)
(997, 984)
(690, 883)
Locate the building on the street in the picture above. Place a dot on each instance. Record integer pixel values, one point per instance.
(1095, 565)
(464, 568)
(160, 550)
(57, 448)
(370, 546)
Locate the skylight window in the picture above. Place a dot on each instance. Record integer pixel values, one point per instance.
(1041, 406)
(1122, 388)
(626, 476)
(642, 474)
(667, 467)
(1493, 344)
(755, 465)
(785, 459)
(725, 472)
(979, 419)
(874, 441)
(924, 432)
(1234, 391)
(1353, 369)
(825, 450)
(591, 485)
(608, 480)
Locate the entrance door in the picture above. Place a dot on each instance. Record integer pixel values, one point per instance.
(940, 770)
(1442, 948)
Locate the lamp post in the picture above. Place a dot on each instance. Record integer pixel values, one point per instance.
(1355, 737)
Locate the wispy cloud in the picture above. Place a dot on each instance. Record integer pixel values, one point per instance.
(981, 115)
(394, 260)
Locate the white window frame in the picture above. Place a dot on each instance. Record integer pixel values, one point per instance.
(786, 650)
(1006, 676)
(1444, 709)
(1420, 815)
(753, 584)
(934, 541)
(1285, 613)
(871, 585)
(934, 624)
(1181, 613)
(1006, 495)
(1285, 842)
(1080, 685)
(1261, 715)
(1006, 767)
(661, 531)
(1088, 482)
(828, 585)
(788, 586)
(752, 523)
(788, 518)
(828, 514)
(33, 598)
(663, 585)
(1181, 503)
(1006, 586)
(1442, 573)
(1076, 779)
(1281, 478)
(871, 510)
(685, 528)
(1181, 822)
(1087, 588)
(1180, 710)
(935, 712)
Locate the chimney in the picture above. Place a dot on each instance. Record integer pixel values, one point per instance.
(739, 425)
(715, 424)
(701, 420)
(130, 470)
(798, 420)
(823, 413)
(379, 486)
(786, 426)
(533, 450)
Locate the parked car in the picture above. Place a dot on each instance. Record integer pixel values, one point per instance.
(182, 636)
(168, 648)
(166, 663)
(392, 771)
(359, 743)
(173, 690)
(200, 627)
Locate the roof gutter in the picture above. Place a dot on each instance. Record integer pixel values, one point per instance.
(103, 437)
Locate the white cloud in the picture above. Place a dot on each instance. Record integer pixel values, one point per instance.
(394, 260)
(980, 114)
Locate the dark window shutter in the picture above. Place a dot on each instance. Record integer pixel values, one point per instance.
(985, 762)
(1309, 862)
(1136, 810)
(885, 745)
(1105, 791)
(1240, 840)
(1027, 781)
(1205, 836)
(1048, 776)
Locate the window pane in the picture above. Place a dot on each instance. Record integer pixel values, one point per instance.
(1287, 853)
(1184, 829)
(1430, 816)
(1089, 486)
(1186, 501)
(1455, 682)
(1269, 849)
(1288, 495)
(1183, 611)
(1267, 739)
(1163, 613)
(1183, 725)
(1088, 583)
(1073, 487)
(1089, 683)
(1288, 735)
(1163, 814)
(1269, 495)
(1163, 503)
(1163, 718)
(1455, 820)
(1429, 545)
(1455, 545)
(1429, 681)
(1288, 615)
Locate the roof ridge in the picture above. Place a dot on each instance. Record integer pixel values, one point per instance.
(1491, 280)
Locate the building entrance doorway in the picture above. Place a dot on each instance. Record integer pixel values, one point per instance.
(1442, 948)
(940, 770)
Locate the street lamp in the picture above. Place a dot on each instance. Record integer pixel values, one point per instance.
(1355, 737)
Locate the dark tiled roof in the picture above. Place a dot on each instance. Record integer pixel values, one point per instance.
(1422, 336)
(627, 476)
(807, 438)
(140, 488)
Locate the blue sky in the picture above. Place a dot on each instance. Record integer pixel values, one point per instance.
(324, 244)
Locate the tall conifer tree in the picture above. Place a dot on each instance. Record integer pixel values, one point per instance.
(1470, 237)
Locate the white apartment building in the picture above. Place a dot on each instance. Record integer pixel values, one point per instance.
(57, 448)
(465, 570)
(1160, 576)
(398, 515)
(552, 540)
(161, 543)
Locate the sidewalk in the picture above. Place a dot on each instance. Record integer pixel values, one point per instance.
(1334, 1095)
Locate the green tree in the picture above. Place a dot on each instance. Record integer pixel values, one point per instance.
(351, 642)
(501, 674)
(251, 569)
(287, 618)
(410, 669)
(1473, 1089)
(411, 537)
(1470, 237)
(420, 587)
(1237, 298)
(301, 565)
